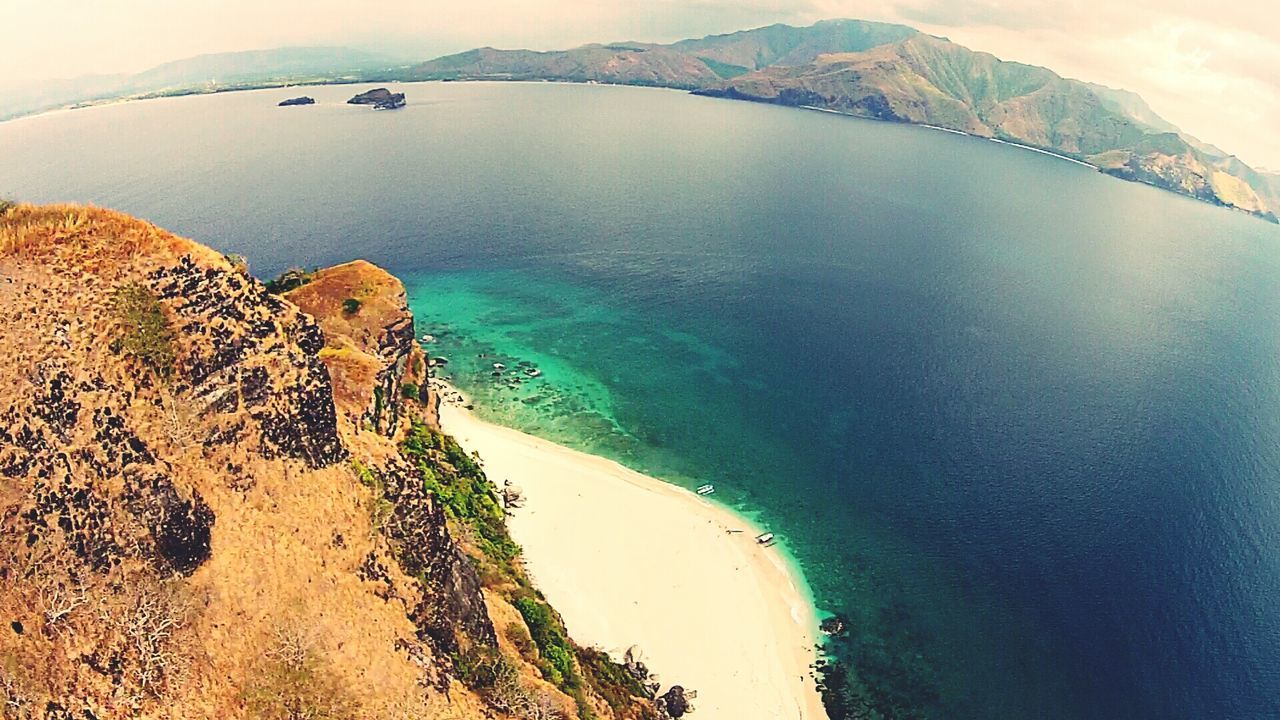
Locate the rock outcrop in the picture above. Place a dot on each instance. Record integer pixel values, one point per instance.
(380, 99)
(374, 358)
(304, 100)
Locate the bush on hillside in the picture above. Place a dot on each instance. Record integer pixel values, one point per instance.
(290, 279)
(146, 334)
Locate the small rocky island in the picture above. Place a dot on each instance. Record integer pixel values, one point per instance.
(380, 99)
(304, 100)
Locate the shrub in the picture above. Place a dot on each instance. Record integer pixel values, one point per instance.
(610, 680)
(5, 205)
(350, 306)
(238, 262)
(146, 336)
(519, 636)
(290, 279)
(549, 635)
(409, 391)
(480, 668)
(293, 682)
(455, 478)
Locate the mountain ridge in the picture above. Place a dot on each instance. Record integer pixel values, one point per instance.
(893, 72)
(874, 70)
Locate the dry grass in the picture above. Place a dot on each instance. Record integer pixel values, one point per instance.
(98, 241)
(294, 680)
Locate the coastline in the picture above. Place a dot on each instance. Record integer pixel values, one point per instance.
(629, 560)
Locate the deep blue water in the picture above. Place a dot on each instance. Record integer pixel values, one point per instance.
(1019, 421)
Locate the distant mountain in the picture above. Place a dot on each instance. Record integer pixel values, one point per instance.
(259, 65)
(626, 65)
(928, 80)
(1132, 104)
(688, 64)
(873, 70)
(893, 72)
(217, 71)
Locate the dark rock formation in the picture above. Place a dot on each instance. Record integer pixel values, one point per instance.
(395, 347)
(835, 625)
(452, 612)
(304, 100)
(380, 99)
(246, 339)
(675, 702)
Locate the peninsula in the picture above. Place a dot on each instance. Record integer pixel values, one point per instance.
(224, 498)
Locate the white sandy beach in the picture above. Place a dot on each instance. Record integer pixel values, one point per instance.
(630, 560)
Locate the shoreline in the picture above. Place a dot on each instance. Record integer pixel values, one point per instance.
(649, 564)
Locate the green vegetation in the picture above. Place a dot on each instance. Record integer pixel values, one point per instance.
(238, 262)
(521, 639)
(556, 650)
(409, 391)
(479, 668)
(723, 69)
(471, 502)
(146, 335)
(553, 644)
(457, 481)
(610, 680)
(350, 306)
(290, 279)
(5, 205)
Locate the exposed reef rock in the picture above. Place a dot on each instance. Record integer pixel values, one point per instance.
(380, 99)
(304, 100)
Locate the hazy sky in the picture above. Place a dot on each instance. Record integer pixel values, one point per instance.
(1212, 68)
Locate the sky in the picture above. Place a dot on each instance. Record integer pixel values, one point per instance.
(1212, 68)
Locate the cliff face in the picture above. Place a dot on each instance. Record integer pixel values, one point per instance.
(370, 347)
(206, 511)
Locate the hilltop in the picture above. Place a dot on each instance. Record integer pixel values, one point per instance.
(223, 500)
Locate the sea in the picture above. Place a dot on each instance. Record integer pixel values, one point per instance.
(1017, 422)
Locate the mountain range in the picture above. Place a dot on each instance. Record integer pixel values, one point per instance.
(893, 72)
(866, 69)
(218, 71)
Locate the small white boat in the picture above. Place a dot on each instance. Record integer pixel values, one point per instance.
(765, 538)
(499, 367)
(706, 489)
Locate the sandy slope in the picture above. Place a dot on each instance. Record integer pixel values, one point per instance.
(630, 560)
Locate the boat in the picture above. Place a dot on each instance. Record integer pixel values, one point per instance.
(706, 489)
(765, 539)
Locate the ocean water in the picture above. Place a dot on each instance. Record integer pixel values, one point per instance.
(1017, 421)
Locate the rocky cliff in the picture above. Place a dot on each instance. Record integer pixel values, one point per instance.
(219, 502)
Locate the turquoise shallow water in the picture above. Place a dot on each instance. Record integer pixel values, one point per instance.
(1015, 419)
